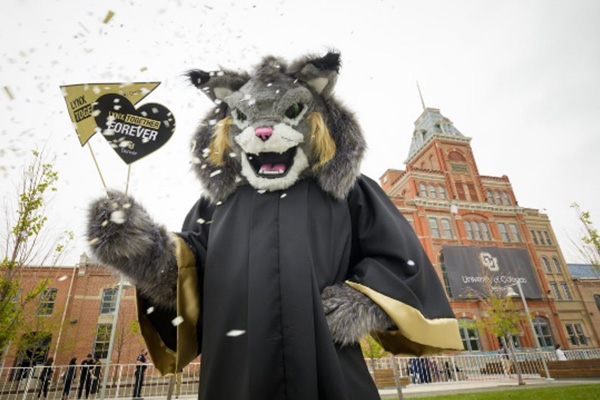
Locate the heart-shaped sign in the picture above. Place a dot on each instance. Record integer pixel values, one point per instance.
(133, 133)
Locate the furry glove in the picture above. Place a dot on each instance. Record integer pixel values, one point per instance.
(123, 236)
(351, 315)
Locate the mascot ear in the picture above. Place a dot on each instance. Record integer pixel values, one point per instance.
(319, 73)
(217, 85)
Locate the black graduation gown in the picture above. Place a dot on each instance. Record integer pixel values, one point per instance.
(261, 262)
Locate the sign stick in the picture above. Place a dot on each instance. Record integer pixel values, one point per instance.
(127, 184)
(97, 167)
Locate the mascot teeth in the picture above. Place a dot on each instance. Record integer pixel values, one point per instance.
(271, 164)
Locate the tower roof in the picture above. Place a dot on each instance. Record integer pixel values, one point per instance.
(431, 123)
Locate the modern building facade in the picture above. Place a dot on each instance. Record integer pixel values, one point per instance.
(474, 231)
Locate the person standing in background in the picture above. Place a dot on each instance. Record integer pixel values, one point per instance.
(68, 378)
(45, 377)
(140, 370)
(84, 377)
(560, 355)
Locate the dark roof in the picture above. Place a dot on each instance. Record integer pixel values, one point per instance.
(584, 270)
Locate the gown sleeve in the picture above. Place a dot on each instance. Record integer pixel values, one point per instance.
(174, 337)
(389, 265)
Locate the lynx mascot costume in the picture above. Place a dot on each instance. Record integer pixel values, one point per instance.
(288, 258)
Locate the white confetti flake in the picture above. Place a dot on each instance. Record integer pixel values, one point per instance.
(118, 217)
(96, 90)
(150, 310)
(196, 160)
(177, 321)
(95, 113)
(200, 220)
(126, 143)
(108, 132)
(116, 100)
(411, 263)
(283, 195)
(220, 73)
(144, 114)
(277, 91)
(154, 110)
(269, 84)
(217, 110)
(247, 97)
(104, 223)
(261, 191)
(235, 333)
(217, 101)
(115, 204)
(251, 102)
(232, 154)
(62, 278)
(219, 203)
(94, 240)
(212, 122)
(203, 166)
(215, 173)
(127, 205)
(117, 107)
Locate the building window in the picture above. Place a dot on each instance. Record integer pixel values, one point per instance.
(515, 232)
(546, 264)
(580, 335)
(490, 197)
(542, 242)
(469, 334)
(476, 231)
(557, 267)
(102, 340)
(498, 198)
(548, 238)
(485, 231)
(565, 288)
(109, 301)
(506, 198)
(468, 230)
(442, 191)
(503, 232)
(555, 291)
(447, 228)
(432, 192)
(423, 190)
(445, 276)
(433, 226)
(535, 241)
(571, 333)
(47, 301)
(543, 332)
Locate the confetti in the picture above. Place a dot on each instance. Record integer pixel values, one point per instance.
(8, 93)
(219, 203)
(196, 160)
(104, 223)
(283, 195)
(154, 110)
(108, 17)
(95, 113)
(118, 217)
(220, 73)
(200, 220)
(62, 278)
(127, 205)
(150, 310)
(94, 240)
(251, 102)
(96, 90)
(261, 191)
(108, 132)
(235, 333)
(411, 263)
(177, 321)
(212, 122)
(232, 154)
(215, 173)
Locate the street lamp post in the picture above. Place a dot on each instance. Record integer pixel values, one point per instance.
(537, 344)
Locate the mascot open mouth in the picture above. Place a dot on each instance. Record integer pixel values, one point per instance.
(272, 164)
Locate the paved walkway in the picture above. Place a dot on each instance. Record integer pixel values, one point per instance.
(432, 389)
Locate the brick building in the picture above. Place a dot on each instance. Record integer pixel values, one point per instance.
(469, 223)
(586, 278)
(74, 316)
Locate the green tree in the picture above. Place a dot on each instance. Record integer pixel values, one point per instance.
(589, 246)
(26, 241)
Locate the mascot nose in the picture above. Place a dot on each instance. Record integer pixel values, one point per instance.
(263, 132)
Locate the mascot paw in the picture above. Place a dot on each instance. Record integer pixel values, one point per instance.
(351, 315)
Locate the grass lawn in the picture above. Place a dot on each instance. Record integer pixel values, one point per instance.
(562, 392)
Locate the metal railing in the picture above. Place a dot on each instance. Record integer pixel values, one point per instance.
(27, 383)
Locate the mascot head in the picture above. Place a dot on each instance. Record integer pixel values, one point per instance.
(274, 126)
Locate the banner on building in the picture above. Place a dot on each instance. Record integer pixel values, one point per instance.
(472, 271)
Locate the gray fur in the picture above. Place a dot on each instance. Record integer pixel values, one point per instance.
(139, 248)
(273, 80)
(351, 315)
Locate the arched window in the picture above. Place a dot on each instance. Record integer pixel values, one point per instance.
(468, 230)
(503, 232)
(506, 198)
(485, 231)
(556, 265)
(490, 196)
(432, 191)
(442, 191)
(445, 275)
(498, 198)
(476, 231)
(543, 332)
(456, 156)
(469, 334)
(423, 190)
(546, 264)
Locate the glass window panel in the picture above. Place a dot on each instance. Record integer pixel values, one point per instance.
(433, 225)
(557, 267)
(490, 197)
(515, 232)
(542, 242)
(442, 191)
(485, 231)
(498, 199)
(543, 332)
(506, 198)
(447, 228)
(109, 301)
(580, 335)
(468, 230)
(547, 235)
(555, 291)
(47, 301)
(432, 191)
(423, 190)
(546, 265)
(565, 288)
(534, 237)
(476, 231)
(102, 340)
(503, 232)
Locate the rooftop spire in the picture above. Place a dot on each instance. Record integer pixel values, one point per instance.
(421, 95)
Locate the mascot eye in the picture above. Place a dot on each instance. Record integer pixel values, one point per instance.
(240, 115)
(294, 110)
